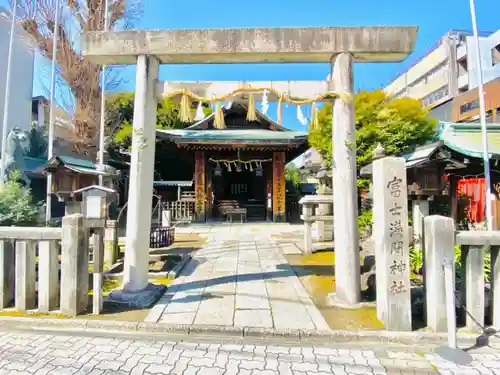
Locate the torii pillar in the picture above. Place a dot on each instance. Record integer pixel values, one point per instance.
(261, 45)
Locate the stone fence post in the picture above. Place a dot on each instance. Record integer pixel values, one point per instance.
(439, 245)
(74, 265)
(390, 216)
(7, 272)
(110, 242)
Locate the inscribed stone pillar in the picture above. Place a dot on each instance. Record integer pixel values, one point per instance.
(420, 210)
(390, 232)
(140, 196)
(345, 200)
(279, 192)
(199, 185)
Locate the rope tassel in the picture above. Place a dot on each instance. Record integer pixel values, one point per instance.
(314, 119)
(280, 111)
(219, 117)
(251, 115)
(185, 110)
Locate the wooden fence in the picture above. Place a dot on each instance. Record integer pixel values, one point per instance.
(181, 210)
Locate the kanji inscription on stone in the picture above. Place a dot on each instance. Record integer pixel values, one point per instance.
(390, 213)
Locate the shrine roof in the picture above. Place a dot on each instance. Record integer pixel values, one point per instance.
(249, 136)
(466, 138)
(32, 165)
(462, 138)
(74, 164)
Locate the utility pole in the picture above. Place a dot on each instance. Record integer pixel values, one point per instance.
(48, 208)
(103, 103)
(6, 104)
(482, 111)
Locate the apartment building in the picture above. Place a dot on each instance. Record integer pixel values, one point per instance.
(448, 70)
(21, 84)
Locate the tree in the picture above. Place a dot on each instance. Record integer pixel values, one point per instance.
(38, 142)
(16, 204)
(120, 115)
(398, 124)
(82, 76)
(292, 174)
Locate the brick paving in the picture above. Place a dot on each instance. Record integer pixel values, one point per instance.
(40, 354)
(240, 278)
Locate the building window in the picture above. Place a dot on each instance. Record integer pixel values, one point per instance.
(474, 119)
(400, 94)
(435, 96)
(424, 79)
(462, 66)
(489, 117)
(469, 106)
(495, 55)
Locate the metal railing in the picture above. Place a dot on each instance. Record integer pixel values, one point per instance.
(161, 237)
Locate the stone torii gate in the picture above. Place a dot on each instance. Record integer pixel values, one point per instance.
(339, 46)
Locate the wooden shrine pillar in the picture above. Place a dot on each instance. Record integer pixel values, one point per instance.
(209, 172)
(199, 185)
(279, 191)
(269, 193)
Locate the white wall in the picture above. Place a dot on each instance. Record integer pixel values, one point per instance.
(21, 84)
(490, 71)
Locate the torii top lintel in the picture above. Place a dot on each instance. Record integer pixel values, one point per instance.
(251, 45)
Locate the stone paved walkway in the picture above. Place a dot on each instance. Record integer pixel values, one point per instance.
(239, 278)
(45, 354)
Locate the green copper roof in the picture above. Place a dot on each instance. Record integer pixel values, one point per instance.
(231, 135)
(32, 165)
(77, 162)
(466, 138)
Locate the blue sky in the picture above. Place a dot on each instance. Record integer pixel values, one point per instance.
(433, 17)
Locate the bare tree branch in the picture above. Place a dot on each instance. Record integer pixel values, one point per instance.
(83, 77)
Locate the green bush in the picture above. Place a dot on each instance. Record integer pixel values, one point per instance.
(365, 220)
(417, 262)
(16, 204)
(460, 267)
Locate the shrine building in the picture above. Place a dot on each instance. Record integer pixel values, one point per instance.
(237, 172)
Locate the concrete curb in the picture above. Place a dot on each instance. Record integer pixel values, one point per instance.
(160, 330)
(174, 272)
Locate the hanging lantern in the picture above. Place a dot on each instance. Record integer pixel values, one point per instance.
(238, 167)
(217, 170)
(259, 171)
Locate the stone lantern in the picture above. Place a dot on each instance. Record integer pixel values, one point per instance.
(324, 177)
(95, 201)
(323, 230)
